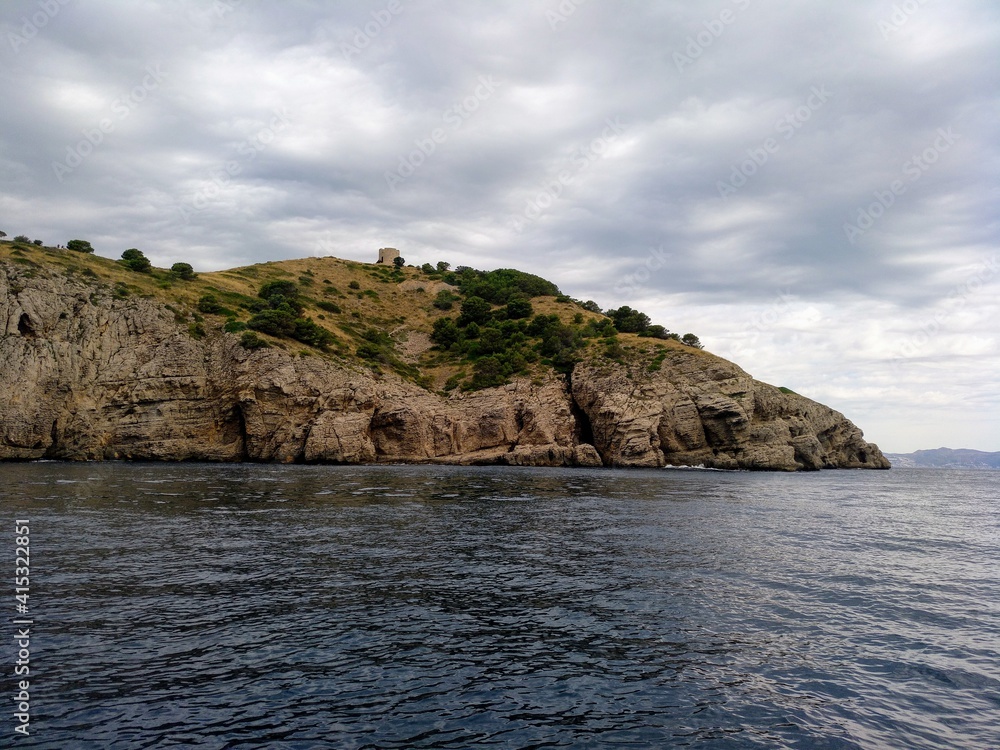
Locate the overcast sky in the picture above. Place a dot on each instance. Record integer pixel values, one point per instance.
(811, 187)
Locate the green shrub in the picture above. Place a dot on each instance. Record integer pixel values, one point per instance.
(474, 310)
(655, 332)
(518, 308)
(80, 246)
(501, 285)
(182, 271)
(628, 320)
(310, 333)
(281, 316)
(445, 299)
(613, 349)
(250, 340)
(445, 332)
(491, 341)
(377, 336)
(287, 289)
(209, 304)
(372, 352)
(488, 372)
(328, 306)
(134, 260)
(691, 340)
(279, 323)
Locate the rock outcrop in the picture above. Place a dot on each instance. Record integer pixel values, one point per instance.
(86, 375)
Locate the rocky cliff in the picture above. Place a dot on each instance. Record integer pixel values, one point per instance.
(88, 373)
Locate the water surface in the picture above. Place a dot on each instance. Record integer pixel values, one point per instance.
(205, 606)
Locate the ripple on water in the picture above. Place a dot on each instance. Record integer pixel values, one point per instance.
(423, 607)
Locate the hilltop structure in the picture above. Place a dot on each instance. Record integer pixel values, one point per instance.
(386, 255)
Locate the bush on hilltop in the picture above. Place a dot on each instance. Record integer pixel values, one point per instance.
(79, 246)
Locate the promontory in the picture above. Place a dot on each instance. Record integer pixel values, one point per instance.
(337, 361)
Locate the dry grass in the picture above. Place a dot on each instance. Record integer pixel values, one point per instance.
(399, 303)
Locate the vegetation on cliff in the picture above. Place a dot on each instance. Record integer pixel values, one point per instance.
(328, 360)
(441, 328)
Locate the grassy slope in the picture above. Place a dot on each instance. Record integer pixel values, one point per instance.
(400, 304)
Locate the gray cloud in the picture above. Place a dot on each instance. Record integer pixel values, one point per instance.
(704, 162)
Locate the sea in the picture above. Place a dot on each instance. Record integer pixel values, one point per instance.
(292, 607)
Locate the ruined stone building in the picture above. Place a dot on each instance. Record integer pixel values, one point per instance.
(386, 255)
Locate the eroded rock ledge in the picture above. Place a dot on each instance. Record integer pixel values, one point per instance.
(87, 376)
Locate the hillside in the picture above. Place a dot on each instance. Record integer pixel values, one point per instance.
(323, 359)
(946, 458)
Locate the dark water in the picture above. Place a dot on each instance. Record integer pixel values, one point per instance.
(427, 607)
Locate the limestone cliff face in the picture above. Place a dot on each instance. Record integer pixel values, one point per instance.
(700, 410)
(86, 376)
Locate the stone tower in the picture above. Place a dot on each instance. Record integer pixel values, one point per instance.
(386, 254)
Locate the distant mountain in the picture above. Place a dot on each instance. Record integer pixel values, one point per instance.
(945, 458)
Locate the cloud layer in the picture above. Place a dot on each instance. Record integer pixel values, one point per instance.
(812, 188)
